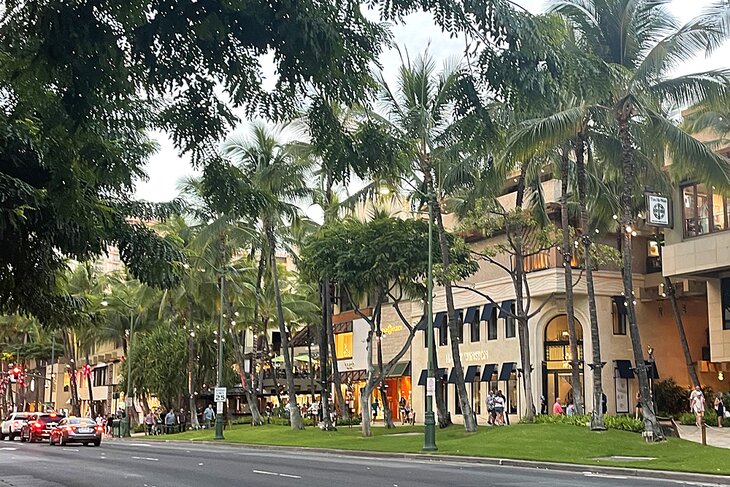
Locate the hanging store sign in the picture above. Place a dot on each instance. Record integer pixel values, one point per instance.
(658, 210)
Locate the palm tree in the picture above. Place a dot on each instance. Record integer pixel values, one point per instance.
(640, 42)
(281, 180)
(419, 112)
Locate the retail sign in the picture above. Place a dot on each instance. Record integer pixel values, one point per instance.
(349, 365)
(220, 394)
(431, 386)
(391, 329)
(658, 210)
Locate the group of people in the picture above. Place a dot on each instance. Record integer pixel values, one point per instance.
(157, 421)
(407, 415)
(496, 404)
(697, 405)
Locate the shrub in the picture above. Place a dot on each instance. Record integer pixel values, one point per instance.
(671, 399)
(625, 423)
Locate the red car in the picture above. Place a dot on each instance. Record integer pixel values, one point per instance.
(39, 426)
(76, 430)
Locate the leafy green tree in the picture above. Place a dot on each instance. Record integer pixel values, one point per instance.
(387, 258)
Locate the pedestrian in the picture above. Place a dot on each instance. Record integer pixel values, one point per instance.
(499, 403)
(639, 409)
(149, 422)
(402, 409)
(182, 420)
(570, 410)
(208, 416)
(543, 405)
(697, 405)
(169, 421)
(719, 409)
(375, 406)
(604, 403)
(557, 408)
(490, 408)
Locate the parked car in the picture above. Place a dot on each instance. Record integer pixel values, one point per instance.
(39, 426)
(76, 430)
(10, 428)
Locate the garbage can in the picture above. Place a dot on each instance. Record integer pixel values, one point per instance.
(117, 428)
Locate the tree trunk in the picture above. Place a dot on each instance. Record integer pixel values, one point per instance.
(627, 220)
(344, 407)
(387, 414)
(367, 391)
(90, 385)
(326, 318)
(454, 322)
(567, 252)
(442, 410)
(671, 292)
(256, 419)
(522, 320)
(586, 239)
(294, 414)
(191, 368)
(70, 352)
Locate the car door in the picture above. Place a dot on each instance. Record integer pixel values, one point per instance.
(57, 431)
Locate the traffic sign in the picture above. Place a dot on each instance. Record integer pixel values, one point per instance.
(220, 394)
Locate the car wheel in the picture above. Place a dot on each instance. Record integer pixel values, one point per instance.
(97, 442)
(11, 436)
(2, 436)
(22, 438)
(50, 440)
(61, 440)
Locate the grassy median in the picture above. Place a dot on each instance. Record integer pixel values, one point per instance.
(541, 442)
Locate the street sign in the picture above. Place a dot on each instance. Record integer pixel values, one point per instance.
(219, 408)
(220, 394)
(431, 386)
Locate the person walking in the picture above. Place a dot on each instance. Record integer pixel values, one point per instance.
(208, 416)
(499, 404)
(719, 409)
(639, 408)
(149, 422)
(697, 405)
(169, 421)
(490, 408)
(402, 409)
(375, 406)
(543, 405)
(557, 408)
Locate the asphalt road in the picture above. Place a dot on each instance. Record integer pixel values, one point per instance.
(130, 463)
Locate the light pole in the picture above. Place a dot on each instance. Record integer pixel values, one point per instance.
(429, 435)
(429, 423)
(219, 380)
(126, 420)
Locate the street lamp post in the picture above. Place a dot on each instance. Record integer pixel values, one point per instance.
(429, 436)
(219, 381)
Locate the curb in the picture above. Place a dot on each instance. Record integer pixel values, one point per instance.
(493, 461)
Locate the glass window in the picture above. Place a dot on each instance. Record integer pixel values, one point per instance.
(343, 345)
(476, 394)
(443, 335)
(492, 325)
(718, 213)
(703, 211)
(725, 289)
(619, 319)
(457, 402)
(509, 324)
(475, 330)
(689, 211)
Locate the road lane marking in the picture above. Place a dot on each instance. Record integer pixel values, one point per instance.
(604, 476)
(8, 448)
(264, 472)
(146, 458)
(139, 444)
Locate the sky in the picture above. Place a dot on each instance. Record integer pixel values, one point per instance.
(417, 32)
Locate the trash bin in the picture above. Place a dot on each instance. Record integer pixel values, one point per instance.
(117, 428)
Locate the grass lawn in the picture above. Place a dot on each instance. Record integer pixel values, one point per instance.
(542, 442)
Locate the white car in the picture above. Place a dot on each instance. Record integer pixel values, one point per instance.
(10, 428)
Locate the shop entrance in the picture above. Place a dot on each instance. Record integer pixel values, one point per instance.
(556, 364)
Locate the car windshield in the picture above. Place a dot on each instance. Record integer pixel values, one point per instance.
(49, 418)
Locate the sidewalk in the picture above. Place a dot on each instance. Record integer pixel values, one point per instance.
(719, 437)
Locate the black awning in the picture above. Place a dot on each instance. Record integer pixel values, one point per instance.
(620, 302)
(487, 312)
(651, 370)
(422, 324)
(423, 377)
(440, 320)
(488, 372)
(506, 371)
(625, 371)
(471, 315)
(505, 309)
(400, 369)
(471, 373)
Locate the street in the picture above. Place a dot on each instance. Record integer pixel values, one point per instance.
(150, 464)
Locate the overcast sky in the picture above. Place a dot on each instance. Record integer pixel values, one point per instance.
(166, 167)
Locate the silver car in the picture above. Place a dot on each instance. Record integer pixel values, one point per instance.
(76, 430)
(10, 428)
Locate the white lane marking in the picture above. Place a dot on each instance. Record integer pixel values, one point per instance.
(146, 458)
(70, 449)
(604, 476)
(139, 444)
(264, 472)
(8, 448)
